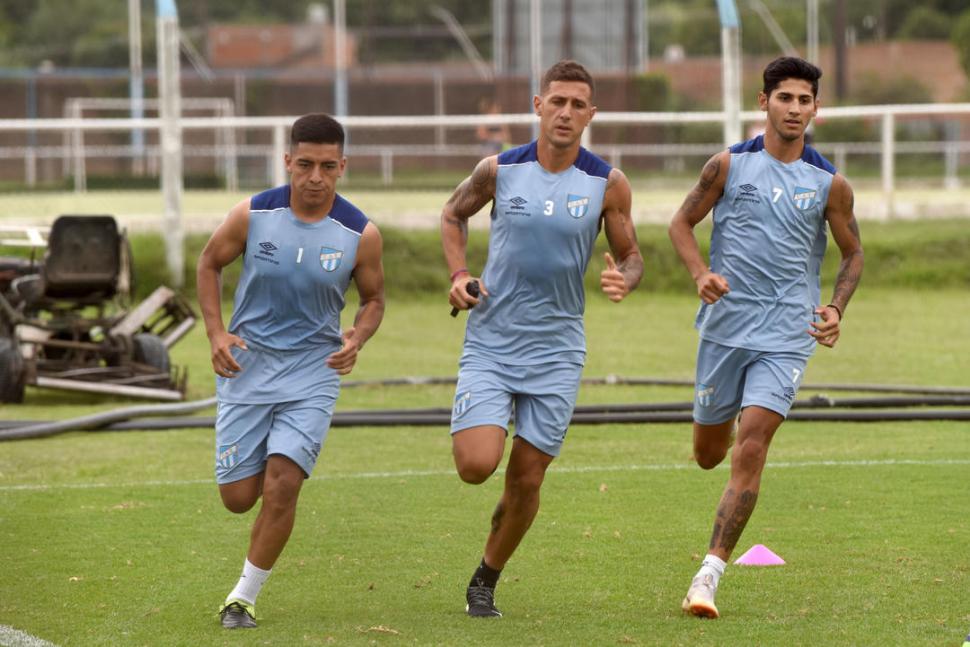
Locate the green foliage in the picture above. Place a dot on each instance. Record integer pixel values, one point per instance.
(114, 182)
(95, 35)
(960, 38)
(925, 23)
(845, 130)
(870, 89)
(897, 254)
(652, 92)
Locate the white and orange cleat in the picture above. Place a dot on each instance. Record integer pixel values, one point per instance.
(700, 598)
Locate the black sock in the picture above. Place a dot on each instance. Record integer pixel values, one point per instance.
(485, 575)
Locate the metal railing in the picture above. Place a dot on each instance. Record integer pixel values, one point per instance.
(277, 126)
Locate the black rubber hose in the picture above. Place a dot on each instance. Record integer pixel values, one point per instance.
(650, 381)
(103, 419)
(378, 419)
(584, 414)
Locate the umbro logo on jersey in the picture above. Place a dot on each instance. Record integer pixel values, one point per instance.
(266, 252)
(518, 202)
(787, 394)
(747, 193)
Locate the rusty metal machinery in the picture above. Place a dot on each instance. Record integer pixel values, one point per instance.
(65, 321)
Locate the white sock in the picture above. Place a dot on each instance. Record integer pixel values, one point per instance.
(249, 584)
(713, 566)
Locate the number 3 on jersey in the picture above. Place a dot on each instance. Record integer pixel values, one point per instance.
(548, 210)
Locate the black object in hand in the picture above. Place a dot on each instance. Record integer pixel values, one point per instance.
(472, 289)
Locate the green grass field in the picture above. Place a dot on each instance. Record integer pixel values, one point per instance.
(119, 538)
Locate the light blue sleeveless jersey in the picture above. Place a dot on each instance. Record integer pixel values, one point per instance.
(289, 298)
(542, 233)
(768, 242)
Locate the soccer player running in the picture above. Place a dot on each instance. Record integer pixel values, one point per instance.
(761, 313)
(280, 361)
(525, 344)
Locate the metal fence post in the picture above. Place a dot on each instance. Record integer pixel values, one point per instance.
(888, 162)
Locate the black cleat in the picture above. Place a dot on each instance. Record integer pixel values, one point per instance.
(238, 615)
(481, 602)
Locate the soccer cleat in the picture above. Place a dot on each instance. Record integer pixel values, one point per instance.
(237, 614)
(700, 597)
(481, 602)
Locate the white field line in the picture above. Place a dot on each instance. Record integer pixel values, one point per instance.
(581, 469)
(10, 637)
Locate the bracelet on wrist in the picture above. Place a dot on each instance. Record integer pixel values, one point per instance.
(836, 308)
(457, 273)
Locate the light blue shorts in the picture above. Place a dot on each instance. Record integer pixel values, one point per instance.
(543, 397)
(729, 379)
(247, 434)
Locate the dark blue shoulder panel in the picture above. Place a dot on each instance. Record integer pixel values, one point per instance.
(813, 157)
(592, 165)
(348, 215)
(519, 154)
(750, 146)
(278, 198)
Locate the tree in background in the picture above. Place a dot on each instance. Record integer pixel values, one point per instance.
(926, 23)
(961, 39)
(94, 33)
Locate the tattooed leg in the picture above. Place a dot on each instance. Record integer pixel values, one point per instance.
(758, 427)
(733, 513)
(519, 503)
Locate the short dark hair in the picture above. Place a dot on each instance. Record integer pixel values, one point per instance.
(566, 70)
(317, 128)
(790, 67)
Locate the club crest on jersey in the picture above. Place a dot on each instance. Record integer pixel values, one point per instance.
(804, 198)
(461, 403)
(330, 258)
(577, 205)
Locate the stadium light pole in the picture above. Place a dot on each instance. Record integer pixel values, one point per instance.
(136, 84)
(340, 58)
(730, 69)
(170, 134)
(811, 25)
(535, 52)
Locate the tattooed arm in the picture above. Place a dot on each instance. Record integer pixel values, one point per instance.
(697, 204)
(624, 274)
(845, 230)
(471, 195)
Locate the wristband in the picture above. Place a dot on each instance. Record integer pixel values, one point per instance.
(837, 309)
(455, 274)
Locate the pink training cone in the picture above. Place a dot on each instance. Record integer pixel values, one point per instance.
(759, 555)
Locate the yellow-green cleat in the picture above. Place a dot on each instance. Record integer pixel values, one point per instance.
(236, 614)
